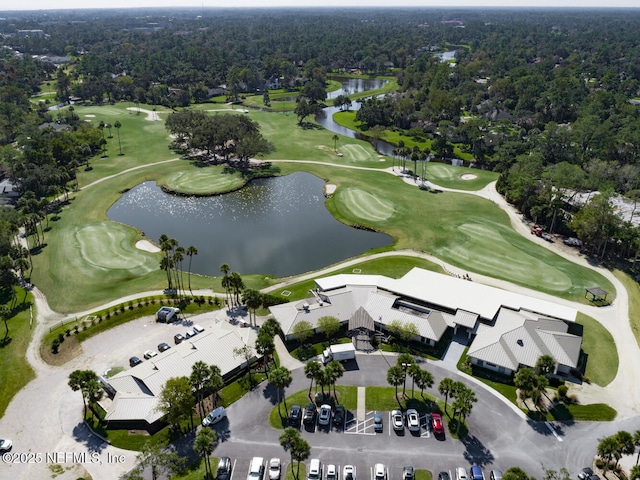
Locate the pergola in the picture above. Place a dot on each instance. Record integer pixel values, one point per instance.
(597, 293)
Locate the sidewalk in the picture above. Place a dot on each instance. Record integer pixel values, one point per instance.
(286, 360)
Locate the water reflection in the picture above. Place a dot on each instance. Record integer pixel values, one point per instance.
(276, 226)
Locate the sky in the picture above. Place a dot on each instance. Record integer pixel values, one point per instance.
(7, 5)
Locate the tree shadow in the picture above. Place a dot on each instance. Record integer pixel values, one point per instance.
(476, 453)
(84, 435)
(5, 341)
(270, 393)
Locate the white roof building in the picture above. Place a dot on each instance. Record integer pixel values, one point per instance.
(435, 302)
(138, 387)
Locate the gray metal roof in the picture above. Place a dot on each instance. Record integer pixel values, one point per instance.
(138, 387)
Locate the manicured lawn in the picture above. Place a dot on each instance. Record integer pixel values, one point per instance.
(595, 412)
(602, 355)
(451, 177)
(16, 371)
(196, 470)
(422, 474)
(633, 290)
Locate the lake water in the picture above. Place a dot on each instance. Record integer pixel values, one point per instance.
(277, 226)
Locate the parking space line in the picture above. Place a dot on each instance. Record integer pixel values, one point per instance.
(233, 469)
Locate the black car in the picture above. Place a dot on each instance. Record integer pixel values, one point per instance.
(310, 412)
(224, 469)
(178, 338)
(163, 347)
(295, 415)
(133, 361)
(338, 416)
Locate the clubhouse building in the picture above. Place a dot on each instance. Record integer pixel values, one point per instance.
(136, 390)
(505, 330)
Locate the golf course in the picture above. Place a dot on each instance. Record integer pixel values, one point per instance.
(451, 223)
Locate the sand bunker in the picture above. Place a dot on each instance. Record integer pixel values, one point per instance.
(147, 246)
(330, 189)
(89, 115)
(468, 176)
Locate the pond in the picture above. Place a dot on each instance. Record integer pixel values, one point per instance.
(277, 226)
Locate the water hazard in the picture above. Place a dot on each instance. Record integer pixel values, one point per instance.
(278, 226)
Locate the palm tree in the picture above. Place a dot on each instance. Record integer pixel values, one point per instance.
(335, 139)
(226, 284)
(288, 439)
(178, 257)
(414, 372)
(253, 300)
(117, 126)
(395, 377)
(311, 369)
(108, 127)
(191, 251)
(280, 378)
(5, 313)
(446, 387)
(465, 398)
(404, 361)
(199, 378)
(608, 449)
(424, 380)
(634, 473)
(203, 445)
(238, 285)
(636, 443)
(333, 371)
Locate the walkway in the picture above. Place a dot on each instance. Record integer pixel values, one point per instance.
(286, 360)
(454, 353)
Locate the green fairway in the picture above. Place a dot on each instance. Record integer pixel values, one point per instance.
(464, 230)
(459, 178)
(204, 180)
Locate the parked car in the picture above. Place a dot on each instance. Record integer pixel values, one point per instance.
(256, 469)
(547, 236)
(214, 416)
(377, 422)
(5, 445)
(495, 475)
(295, 415)
(332, 472)
(178, 338)
(275, 468)
(461, 474)
(379, 472)
(476, 473)
(325, 415)
(349, 472)
(436, 424)
(190, 333)
(224, 469)
(444, 476)
(408, 473)
(315, 470)
(413, 420)
(309, 416)
(163, 347)
(397, 420)
(339, 416)
(585, 473)
(149, 354)
(198, 329)
(133, 361)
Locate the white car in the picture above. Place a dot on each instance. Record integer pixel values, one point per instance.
(149, 354)
(275, 467)
(413, 420)
(461, 474)
(349, 472)
(5, 445)
(331, 473)
(397, 420)
(379, 472)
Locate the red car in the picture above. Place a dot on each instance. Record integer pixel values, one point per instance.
(436, 424)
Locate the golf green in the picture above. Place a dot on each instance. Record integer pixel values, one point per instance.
(202, 181)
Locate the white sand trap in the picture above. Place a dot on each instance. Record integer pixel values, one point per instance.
(330, 189)
(90, 115)
(147, 246)
(151, 115)
(468, 176)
